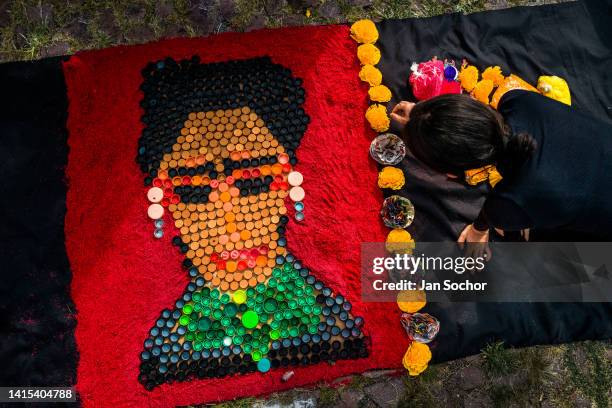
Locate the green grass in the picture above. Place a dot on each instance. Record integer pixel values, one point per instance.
(590, 372)
(35, 28)
(497, 360)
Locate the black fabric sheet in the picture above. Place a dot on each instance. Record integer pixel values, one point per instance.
(570, 40)
(37, 345)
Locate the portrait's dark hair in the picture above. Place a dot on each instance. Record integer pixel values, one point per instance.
(455, 133)
(173, 89)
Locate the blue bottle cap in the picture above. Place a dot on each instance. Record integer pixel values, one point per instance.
(263, 365)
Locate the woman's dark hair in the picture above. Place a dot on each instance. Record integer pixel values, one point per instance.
(455, 133)
(171, 90)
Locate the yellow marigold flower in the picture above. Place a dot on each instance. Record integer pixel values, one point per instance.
(377, 117)
(391, 177)
(368, 54)
(411, 301)
(370, 74)
(416, 358)
(494, 74)
(468, 76)
(364, 31)
(482, 90)
(399, 241)
(380, 93)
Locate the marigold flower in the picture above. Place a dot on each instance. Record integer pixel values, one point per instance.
(376, 115)
(416, 358)
(391, 177)
(368, 54)
(468, 76)
(379, 93)
(399, 241)
(494, 74)
(370, 74)
(482, 90)
(411, 301)
(364, 31)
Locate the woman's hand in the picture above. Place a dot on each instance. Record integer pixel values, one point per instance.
(477, 242)
(401, 112)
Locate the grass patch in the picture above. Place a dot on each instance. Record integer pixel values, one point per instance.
(328, 397)
(418, 394)
(240, 403)
(590, 371)
(497, 360)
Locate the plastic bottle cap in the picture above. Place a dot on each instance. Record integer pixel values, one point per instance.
(155, 194)
(239, 297)
(295, 178)
(155, 211)
(250, 319)
(263, 365)
(297, 193)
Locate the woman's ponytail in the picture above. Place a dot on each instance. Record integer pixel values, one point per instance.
(516, 151)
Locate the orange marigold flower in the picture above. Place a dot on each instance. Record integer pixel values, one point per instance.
(364, 31)
(411, 301)
(368, 54)
(482, 90)
(399, 241)
(468, 76)
(416, 358)
(391, 177)
(376, 115)
(379, 93)
(370, 74)
(494, 74)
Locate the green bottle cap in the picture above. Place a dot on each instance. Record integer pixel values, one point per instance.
(214, 293)
(217, 314)
(247, 348)
(187, 309)
(225, 321)
(225, 298)
(250, 319)
(189, 336)
(184, 320)
(192, 326)
(197, 345)
(204, 324)
(230, 310)
(196, 296)
(207, 343)
(293, 331)
(274, 334)
(270, 305)
(256, 355)
(238, 339)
